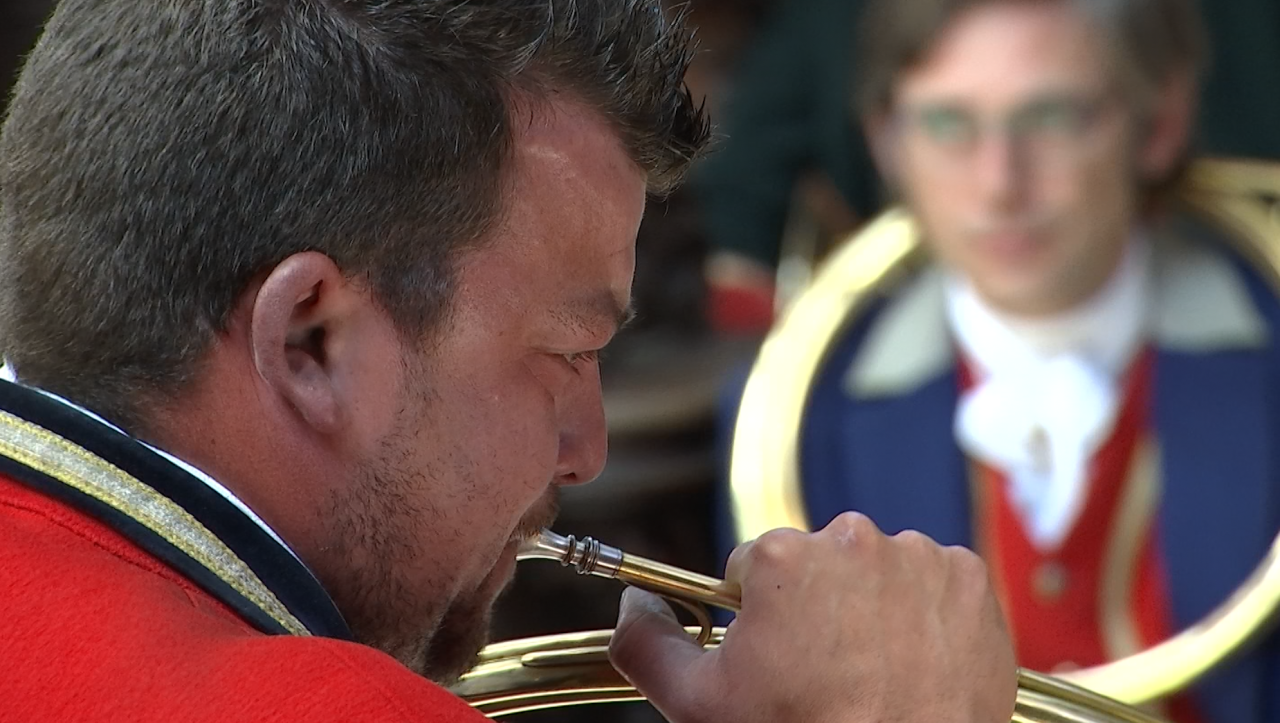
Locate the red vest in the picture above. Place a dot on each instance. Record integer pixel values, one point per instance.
(1103, 594)
(94, 629)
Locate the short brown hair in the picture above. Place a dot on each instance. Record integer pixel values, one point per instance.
(159, 155)
(1154, 39)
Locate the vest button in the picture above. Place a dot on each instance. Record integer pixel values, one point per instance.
(1038, 450)
(1050, 581)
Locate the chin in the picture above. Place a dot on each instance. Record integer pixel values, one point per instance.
(1024, 302)
(441, 646)
(454, 647)
(1018, 291)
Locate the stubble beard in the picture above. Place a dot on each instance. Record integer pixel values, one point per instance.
(374, 546)
(374, 549)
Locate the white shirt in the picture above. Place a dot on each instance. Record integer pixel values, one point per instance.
(6, 373)
(1047, 392)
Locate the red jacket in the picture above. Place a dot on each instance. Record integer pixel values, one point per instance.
(95, 628)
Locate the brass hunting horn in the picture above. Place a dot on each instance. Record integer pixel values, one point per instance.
(573, 669)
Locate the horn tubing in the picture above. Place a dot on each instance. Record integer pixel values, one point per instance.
(589, 557)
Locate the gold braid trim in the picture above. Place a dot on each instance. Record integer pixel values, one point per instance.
(82, 470)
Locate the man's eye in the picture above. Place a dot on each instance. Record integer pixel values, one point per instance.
(1061, 118)
(582, 356)
(947, 125)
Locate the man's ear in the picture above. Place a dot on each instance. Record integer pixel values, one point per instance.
(1169, 127)
(301, 316)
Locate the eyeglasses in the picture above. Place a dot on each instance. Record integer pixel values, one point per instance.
(1052, 132)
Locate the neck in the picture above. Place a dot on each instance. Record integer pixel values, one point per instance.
(224, 425)
(1106, 326)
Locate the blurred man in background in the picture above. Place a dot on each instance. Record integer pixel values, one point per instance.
(1081, 385)
(794, 167)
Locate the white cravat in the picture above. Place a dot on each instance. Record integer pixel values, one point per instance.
(1047, 392)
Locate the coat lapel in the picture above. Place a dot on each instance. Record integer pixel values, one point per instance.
(1212, 415)
(1213, 408)
(1212, 411)
(878, 435)
(1213, 418)
(908, 442)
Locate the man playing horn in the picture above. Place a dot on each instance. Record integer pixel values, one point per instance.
(302, 300)
(1079, 384)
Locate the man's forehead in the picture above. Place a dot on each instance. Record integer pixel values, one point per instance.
(1010, 51)
(573, 171)
(554, 131)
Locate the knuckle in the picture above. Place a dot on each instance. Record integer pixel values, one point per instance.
(915, 541)
(967, 564)
(777, 546)
(970, 577)
(850, 526)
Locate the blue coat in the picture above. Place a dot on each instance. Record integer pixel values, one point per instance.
(878, 438)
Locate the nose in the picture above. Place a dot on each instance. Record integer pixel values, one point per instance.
(584, 436)
(998, 172)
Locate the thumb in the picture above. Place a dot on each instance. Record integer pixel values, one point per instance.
(654, 653)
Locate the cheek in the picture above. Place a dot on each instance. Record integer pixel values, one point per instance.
(941, 205)
(520, 422)
(943, 216)
(938, 206)
(1096, 203)
(492, 461)
(924, 189)
(494, 423)
(1102, 182)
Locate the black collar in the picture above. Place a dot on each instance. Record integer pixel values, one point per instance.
(287, 578)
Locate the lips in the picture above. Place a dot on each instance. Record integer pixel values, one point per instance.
(1011, 246)
(540, 516)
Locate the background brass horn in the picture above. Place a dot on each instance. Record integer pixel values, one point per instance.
(1239, 197)
(573, 669)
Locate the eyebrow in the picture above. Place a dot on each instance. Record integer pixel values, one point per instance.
(591, 311)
